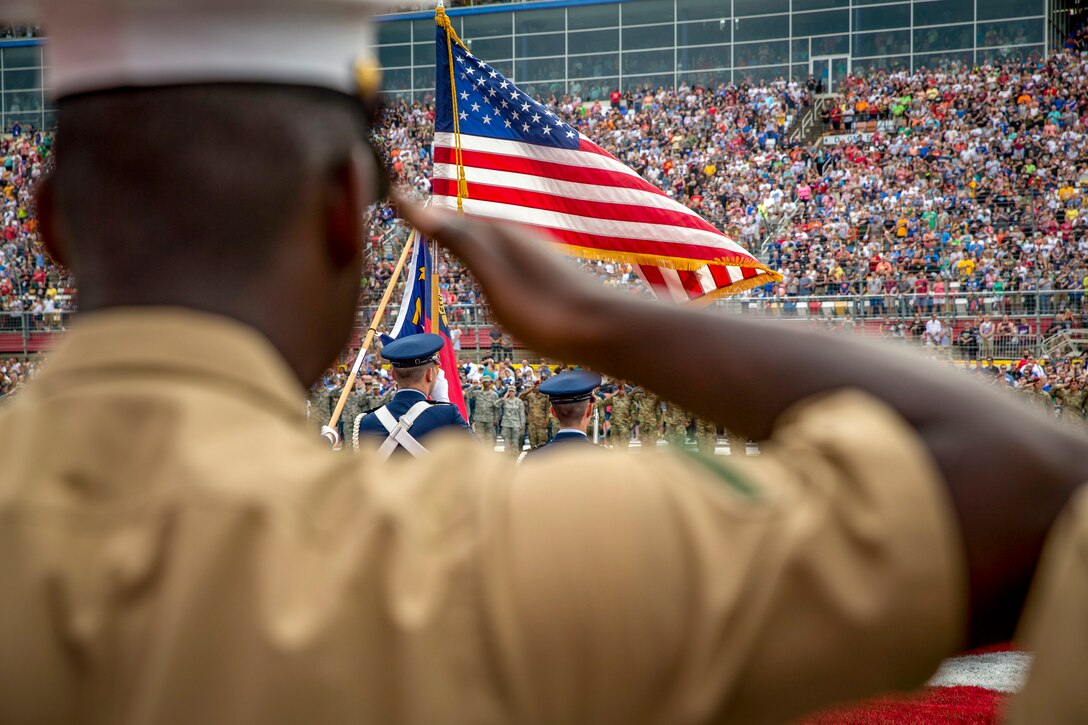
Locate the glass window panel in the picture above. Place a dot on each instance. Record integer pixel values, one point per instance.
(487, 48)
(50, 120)
(26, 120)
(707, 79)
(424, 77)
(480, 26)
(19, 80)
(997, 9)
(394, 97)
(750, 54)
(394, 55)
(425, 96)
(528, 46)
(764, 28)
(1010, 54)
(939, 12)
(424, 30)
(799, 50)
(859, 3)
(506, 67)
(799, 5)
(22, 101)
(699, 9)
(539, 70)
(642, 12)
(948, 37)
(755, 75)
(866, 44)
(957, 59)
(650, 36)
(651, 61)
(593, 16)
(22, 57)
(760, 7)
(835, 21)
(650, 82)
(892, 16)
(595, 40)
(831, 45)
(539, 21)
(393, 80)
(704, 32)
(799, 72)
(707, 56)
(596, 89)
(871, 65)
(545, 92)
(1015, 32)
(423, 53)
(593, 66)
(398, 32)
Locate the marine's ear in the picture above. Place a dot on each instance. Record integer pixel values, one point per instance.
(50, 227)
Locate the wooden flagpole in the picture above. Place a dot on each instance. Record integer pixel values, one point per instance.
(329, 431)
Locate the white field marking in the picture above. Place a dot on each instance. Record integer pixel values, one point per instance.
(1001, 671)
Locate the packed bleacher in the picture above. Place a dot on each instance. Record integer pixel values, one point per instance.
(958, 192)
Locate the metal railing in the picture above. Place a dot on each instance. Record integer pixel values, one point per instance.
(1051, 323)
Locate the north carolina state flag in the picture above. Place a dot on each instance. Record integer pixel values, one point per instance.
(422, 310)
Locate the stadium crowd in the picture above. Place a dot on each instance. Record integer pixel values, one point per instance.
(937, 183)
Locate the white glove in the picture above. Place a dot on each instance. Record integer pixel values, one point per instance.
(441, 392)
(331, 435)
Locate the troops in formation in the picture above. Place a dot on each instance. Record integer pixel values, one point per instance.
(623, 413)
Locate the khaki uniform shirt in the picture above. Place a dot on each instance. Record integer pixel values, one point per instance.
(1056, 626)
(177, 546)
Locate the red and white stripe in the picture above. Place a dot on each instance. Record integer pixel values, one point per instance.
(588, 200)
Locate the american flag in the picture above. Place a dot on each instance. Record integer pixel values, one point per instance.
(522, 163)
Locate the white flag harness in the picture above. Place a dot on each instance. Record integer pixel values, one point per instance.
(398, 430)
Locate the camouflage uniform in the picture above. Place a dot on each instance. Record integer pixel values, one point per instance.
(1072, 402)
(1040, 399)
(676, 425)
(319, 407)
(623, 417)
(353, 407)
(538, 410)
(512, 417)
(485, 413)
(649, 419)
(706, 435)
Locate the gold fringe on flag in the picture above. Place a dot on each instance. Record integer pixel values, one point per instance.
(681, 264)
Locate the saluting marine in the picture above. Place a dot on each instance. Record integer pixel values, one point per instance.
(178, 546)
(412, 414)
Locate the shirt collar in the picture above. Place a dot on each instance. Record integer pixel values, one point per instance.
(572, 431)
(174, 343)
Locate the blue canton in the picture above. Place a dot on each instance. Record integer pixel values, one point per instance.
(489, 105)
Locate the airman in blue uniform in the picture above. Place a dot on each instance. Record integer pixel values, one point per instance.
(412, 415)
(571, 396)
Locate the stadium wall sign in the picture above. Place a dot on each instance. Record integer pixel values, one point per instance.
(846, 138)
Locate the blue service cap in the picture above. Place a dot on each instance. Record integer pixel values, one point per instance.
(414, 350)
(571, 387)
